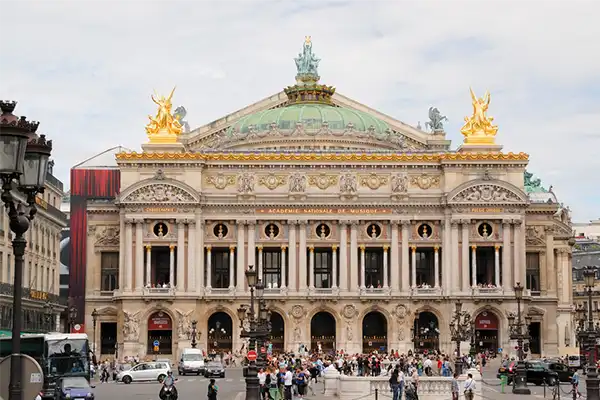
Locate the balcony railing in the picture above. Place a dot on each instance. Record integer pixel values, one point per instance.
(426, 291)
(371, 291)
(478, 291)
(168, 291)
(7, 289)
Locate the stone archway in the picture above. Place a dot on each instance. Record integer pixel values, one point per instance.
(322, 331)
(426, 332)
(487, 328)
(374, 329)
(277, 335)
(160, 333)
(220, 333)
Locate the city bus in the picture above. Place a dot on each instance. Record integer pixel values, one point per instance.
(59, 354)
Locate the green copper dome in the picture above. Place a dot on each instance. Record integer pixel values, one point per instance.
(311, 116)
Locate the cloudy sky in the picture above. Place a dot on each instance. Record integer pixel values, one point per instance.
(86, 69)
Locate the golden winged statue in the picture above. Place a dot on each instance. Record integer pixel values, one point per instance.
(164, 122)
(478, 128)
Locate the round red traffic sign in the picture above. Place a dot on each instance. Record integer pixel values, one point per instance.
(263, 350)
(252, 355)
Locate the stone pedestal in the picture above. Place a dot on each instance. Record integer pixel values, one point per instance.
(163, 148)
(479, 148)
(331, 377)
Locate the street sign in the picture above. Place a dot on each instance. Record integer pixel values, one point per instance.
(156, 348)
(156, 343)
(252, 355)
(263, 350)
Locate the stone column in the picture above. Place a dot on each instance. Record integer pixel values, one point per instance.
(232, 267)
(436, 266)
(302, 284)
(343, 264)
(548, 277)
(180, 256)
(395, 259)
(199, 254)
(209, 267)
(519, 255)
(454, 277)
(122, 266)
(362, 266)
(260, 261)
(191, 258)
(497, 266)
(148, 265)
(292, 265)
(353, 256)
(334, 261)
(251, 245)
(139, 255)
(283, 266)
(311, 268)
(413, 267)
(465, 267)
(241, 262)
(405, 270)
(385, 266)
(507, 265)
(57, 323)
(474, 266)
(129, 254)
(172, 265)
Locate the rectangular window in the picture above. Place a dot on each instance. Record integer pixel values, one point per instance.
(271, 268)
(109, 271)
(8, 269)
(48, 279)
(425, 269)
(1, 267)
(532, 265)
(220, 268)
(323, 268)
(373, 268)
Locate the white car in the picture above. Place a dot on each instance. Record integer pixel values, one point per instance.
(147, 371)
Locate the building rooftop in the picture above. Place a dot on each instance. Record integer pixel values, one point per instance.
(104, 160)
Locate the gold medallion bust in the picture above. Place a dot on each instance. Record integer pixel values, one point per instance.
(478, 128)
(164, 127)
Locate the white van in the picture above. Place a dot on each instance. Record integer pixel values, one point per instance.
(191, 362)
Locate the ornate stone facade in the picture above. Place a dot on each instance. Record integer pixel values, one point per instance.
(339, 228)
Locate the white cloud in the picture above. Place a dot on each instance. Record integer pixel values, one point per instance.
(86, 69)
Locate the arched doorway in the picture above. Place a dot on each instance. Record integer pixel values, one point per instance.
(220, 329)
(322, 332)
(374, 330)
(277, 335)
(160, 333)
(486, 332)
(426, 332)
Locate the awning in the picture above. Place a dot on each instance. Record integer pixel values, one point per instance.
(9, 333)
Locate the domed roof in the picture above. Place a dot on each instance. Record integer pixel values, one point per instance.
(310, 116)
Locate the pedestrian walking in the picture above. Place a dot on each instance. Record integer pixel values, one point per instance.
(455, 389)
(213, 389)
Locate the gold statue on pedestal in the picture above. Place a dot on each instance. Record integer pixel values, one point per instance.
(164, 127)
(478, 128)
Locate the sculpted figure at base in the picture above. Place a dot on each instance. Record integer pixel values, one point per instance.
(478, 128)
(164, 120)
(131, 326)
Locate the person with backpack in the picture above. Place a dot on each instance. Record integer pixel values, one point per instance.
(301, 382)
(213, 389)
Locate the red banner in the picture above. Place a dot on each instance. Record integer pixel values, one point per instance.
(486, 321)
(78, 328)
(159, 322)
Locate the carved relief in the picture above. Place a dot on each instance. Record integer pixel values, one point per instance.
(425, 181)
(246, 183)
(298, 312)
(221, 181)
(348, 184)
(107, 235)
(349, 311)
(535, 236)
(349, 334)
(163, 193)
(485, 194)
(184, 324)
(297, 183)
(322, 181)
(399, 183)
(373, 181)
(271, 181)
(131, 326)
(400, 311)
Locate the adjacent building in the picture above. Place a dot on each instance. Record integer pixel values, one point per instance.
(365, 231)
(41, 301)
(586, 253)
(589, 230)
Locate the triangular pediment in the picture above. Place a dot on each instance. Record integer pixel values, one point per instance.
(204, 137)
(487, 191)
(159, 190)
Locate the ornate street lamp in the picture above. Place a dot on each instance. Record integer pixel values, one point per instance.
(23, 166)
(516, 333)
(48, 310)
(94, 320)
(460, 331)
(194, 334)
(591, 381)
(71, 317)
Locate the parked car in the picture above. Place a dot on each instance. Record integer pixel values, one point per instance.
(73, 387)
(214, 368)
(563, 371)
(537, 373)
(147, 371)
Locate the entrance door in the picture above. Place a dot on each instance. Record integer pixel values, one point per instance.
(277, 336)
(322, 332)
(160, 334)
(374, 329)
(108, 338)
(220, 328)
(426, 332)
(486, 332)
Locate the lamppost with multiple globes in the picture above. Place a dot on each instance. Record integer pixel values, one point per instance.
(258, 328)
(194, 333)
(94, 321)
(461, 330)
(24, 160)
(71, 317)
(588, 335)
(48, 314)
(517, 332)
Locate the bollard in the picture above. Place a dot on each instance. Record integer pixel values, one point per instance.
(544, 383)
(376, 394)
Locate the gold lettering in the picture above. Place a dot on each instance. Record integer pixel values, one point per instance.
(486, 210)
(38, 295)
(324, 210)
(160, 209)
